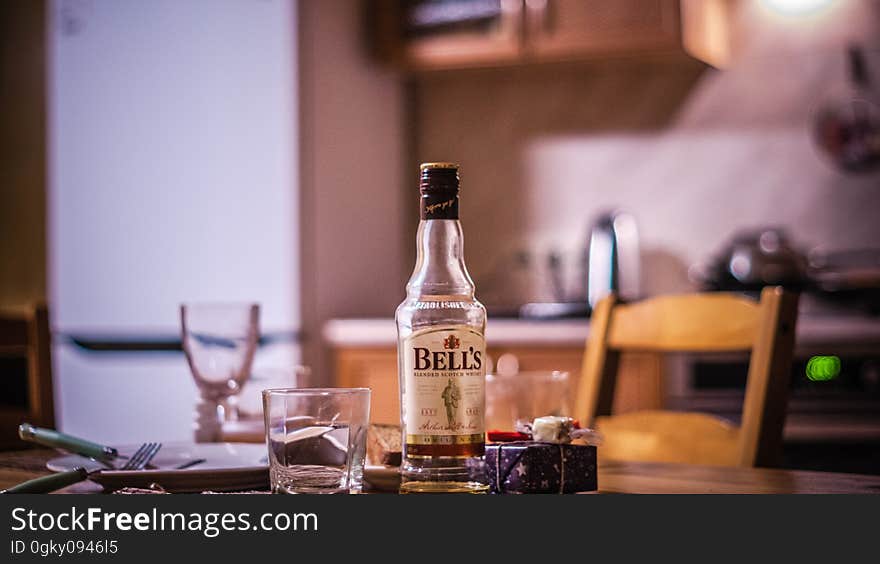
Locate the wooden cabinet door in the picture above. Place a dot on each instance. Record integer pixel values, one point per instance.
(375, 369)
(427, 34)
(561, 29)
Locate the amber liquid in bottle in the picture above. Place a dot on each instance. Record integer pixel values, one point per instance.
(441, 352)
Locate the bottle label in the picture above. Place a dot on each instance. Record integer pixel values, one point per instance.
(439, 205)
(444, 379)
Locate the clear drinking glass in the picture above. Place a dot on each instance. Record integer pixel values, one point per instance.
(317, 439)
(520, 398)
(219, 341)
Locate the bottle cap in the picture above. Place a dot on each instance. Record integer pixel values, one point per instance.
(438, 185)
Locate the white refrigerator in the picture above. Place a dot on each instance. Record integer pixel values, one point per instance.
(173, 178)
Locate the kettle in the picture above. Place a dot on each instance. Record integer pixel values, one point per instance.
(613, 258)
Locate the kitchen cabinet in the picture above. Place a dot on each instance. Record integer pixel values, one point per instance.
(450, 34)
(559, 29)
(447, 34)
(638, 385)
(375, 369)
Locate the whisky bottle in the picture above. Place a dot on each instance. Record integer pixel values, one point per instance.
(441, 351)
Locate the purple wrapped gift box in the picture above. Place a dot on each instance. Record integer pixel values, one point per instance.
(528, 467)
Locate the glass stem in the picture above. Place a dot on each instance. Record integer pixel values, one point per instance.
(208, 424)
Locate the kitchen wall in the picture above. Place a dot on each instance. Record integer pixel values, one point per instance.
(352, 151)
(695, 155)
(490, 121)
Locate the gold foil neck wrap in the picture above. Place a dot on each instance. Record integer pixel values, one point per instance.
(443, 165)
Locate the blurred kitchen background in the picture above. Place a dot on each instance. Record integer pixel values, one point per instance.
(163, 151)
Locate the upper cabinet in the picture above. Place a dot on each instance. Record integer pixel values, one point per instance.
(563, 29)
(446, 34)
(427, 34)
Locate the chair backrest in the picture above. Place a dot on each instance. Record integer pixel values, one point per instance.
(713, 322)
(25, 373)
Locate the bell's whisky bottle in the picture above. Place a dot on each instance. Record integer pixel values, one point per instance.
(441, 351)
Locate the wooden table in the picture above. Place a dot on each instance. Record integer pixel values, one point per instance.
(614, 477)
(663, 478)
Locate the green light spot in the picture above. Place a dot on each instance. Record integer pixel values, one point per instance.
(823, 368)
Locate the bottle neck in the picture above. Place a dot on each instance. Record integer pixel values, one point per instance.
(440, 269)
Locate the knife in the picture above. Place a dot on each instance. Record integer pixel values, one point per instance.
(56, 439)
(50, 483)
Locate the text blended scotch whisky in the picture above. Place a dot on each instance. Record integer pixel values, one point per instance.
(441, 352)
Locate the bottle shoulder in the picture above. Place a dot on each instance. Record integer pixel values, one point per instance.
(422, 311)
(441, 301)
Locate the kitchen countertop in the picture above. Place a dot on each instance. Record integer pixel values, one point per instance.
(383, 332)
(852, 332)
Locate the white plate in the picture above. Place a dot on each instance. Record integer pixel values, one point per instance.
(227, 467)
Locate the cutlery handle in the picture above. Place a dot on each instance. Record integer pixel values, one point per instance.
(54, 439)
(49, 483)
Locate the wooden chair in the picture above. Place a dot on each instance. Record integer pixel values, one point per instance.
(712, 322)
(25, 374)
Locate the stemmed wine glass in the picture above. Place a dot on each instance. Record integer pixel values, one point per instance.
(219, 341)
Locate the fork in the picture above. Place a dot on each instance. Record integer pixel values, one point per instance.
(138, 461)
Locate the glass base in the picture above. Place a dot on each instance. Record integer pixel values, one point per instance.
(443, 488)
(443, 475)
(311, 491)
